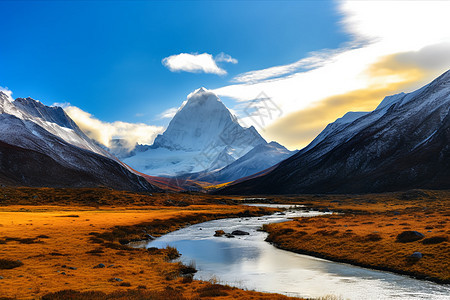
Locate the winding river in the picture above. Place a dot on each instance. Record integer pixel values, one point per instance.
(251, 263)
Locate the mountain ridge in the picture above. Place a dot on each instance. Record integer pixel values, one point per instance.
(35, 151)
(402, 144)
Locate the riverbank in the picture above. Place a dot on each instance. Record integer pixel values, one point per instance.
(76, 250)
(365, 232)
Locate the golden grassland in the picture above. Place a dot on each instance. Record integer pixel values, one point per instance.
(51, 241)
(365, 231)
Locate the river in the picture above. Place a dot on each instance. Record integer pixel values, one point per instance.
(251, 263)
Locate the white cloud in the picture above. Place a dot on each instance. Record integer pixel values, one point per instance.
(8, 92)
(197, 63)
(223, 57)
(104, 132)
(378, 29)
(193, 63)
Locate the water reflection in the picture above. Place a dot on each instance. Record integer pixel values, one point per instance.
(249, 262)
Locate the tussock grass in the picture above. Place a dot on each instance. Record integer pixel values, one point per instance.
(214, 290)
(9, 264)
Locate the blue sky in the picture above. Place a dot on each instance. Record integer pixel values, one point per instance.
(105, 58)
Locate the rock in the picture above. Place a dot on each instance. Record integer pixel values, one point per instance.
(1, 277)
(219, 233)
(63, 273)
(72, 268)
(416, 255)
(229, 235)
(149, 237)
(326, 209)
(240, 232)
(117, 279)
(409, 236)
(99, 266)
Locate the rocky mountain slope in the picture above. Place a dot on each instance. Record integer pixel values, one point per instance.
(403, 144)
(42, 146)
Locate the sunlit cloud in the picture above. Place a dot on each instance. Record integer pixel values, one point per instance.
(299, 128)
(390, 51)
(7, 92)
(104, 132)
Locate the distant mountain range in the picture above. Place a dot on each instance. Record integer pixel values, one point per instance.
(204, 141)
(403, 144)
(42, 146)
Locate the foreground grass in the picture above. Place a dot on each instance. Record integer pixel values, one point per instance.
(365, 233)
(76, 250)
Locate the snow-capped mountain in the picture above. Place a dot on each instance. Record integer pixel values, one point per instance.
(42, 146)
(203, 136)
(261, 157)
(404, 143)
(205, 122)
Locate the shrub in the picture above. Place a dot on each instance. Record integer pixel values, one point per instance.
(172, 253)
(187, 278)
(373, 237)
(213, 290)
(9, 264)
(95, 251)
(434, 240)
(125, 284)
(188, 269)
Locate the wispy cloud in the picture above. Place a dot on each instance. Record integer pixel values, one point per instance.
(223, 57)
(8, 92)
(104, 132)
(316, 60)
(197, 63)
(379, 30)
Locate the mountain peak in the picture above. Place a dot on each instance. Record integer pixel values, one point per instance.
(52, 114)
(205, 121)
(201, 96)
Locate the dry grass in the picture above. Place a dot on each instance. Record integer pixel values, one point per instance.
(365, 234)
(59, 252)
(118, 295)
(101, 197)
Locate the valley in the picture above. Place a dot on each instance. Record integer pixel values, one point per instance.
(186, 150)
(62, 236)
